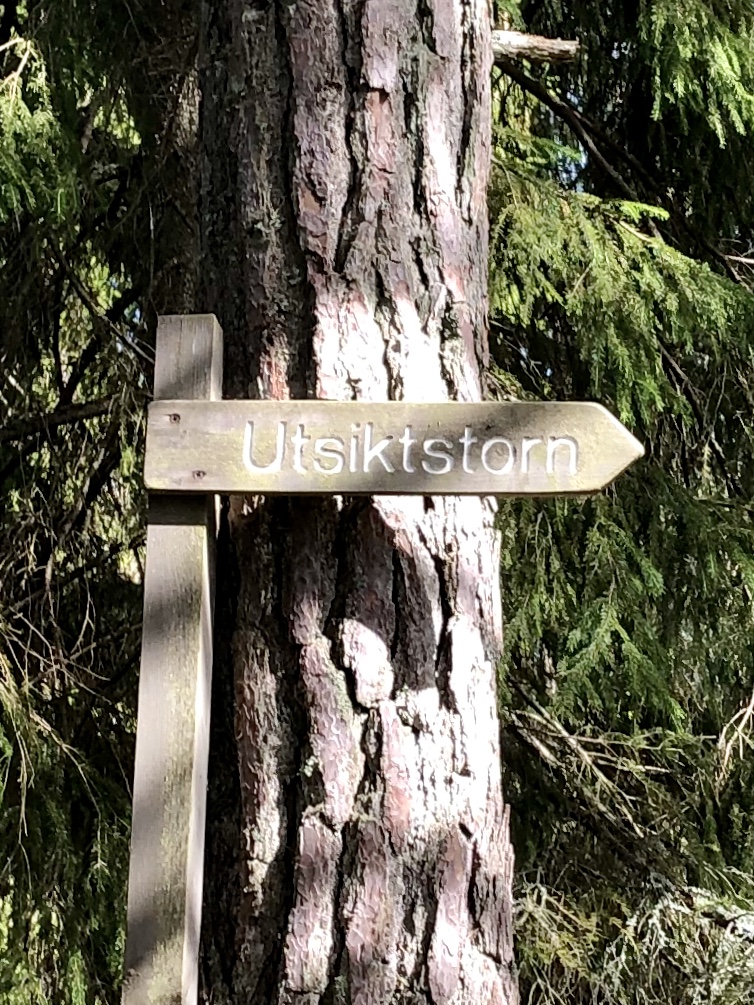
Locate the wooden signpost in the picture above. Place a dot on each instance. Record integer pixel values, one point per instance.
(199, 446)
(385, 448)
(172, 739)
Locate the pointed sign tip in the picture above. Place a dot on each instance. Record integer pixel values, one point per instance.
(639, 449)
(634, 447)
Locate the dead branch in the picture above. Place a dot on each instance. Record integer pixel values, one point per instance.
(558, 730)
(535, 48)
(36, 424)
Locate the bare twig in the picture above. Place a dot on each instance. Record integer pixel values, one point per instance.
(736, 733)
(584, 755)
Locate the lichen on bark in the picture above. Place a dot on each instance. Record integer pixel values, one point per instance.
(346, 149)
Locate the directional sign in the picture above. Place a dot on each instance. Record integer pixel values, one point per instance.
(352, 448)
(207, 447)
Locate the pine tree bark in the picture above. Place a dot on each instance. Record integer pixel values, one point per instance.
(358, 848)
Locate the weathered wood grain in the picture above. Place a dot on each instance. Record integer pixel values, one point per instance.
(353, 448)
(167, 843)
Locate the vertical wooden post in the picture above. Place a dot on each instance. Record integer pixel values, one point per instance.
(167, 843)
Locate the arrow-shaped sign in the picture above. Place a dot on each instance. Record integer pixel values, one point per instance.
(205, 446)
(350, 448)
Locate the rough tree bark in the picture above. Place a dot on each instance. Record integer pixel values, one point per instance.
(358, 848)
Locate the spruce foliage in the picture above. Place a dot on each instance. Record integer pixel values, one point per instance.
(621, 229)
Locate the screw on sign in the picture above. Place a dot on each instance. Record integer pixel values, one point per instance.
(198, 446)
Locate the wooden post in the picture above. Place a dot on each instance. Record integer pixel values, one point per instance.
(172, 740)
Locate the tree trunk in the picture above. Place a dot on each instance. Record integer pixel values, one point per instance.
(358, 848)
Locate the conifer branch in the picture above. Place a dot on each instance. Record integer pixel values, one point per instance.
(68, 414)
(587, 132)
(104, 558)
(691, 394)
(534, 48)
(569, 114)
